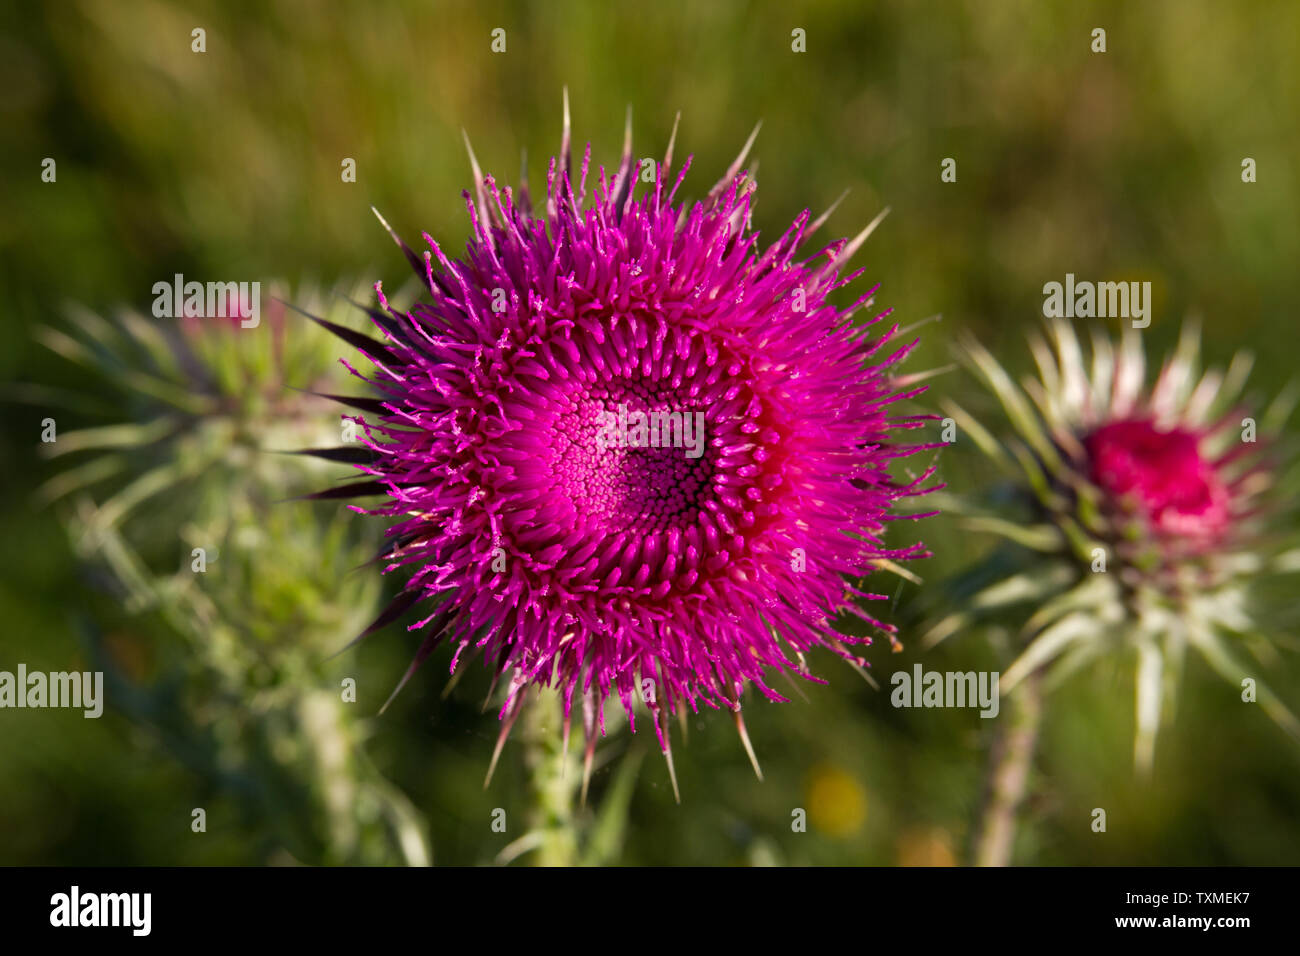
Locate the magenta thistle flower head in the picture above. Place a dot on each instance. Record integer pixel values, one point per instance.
(627, 451)
(1144, 514)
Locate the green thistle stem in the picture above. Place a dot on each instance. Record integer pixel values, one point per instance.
(553, 781)
(366, 819)
(1008, 774)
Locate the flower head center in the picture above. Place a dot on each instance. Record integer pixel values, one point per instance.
(632, 456)
(1163, 472)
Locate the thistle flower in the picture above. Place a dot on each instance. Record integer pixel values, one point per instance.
(594, 559)
(208, 399)
(1147, 514)
(178, 500)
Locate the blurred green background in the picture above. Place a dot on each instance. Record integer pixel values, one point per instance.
(226, 165)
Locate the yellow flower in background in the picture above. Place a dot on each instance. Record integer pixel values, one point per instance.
(837, 803)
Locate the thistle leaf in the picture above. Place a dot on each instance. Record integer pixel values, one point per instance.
(1218, 656)
(1050, 644)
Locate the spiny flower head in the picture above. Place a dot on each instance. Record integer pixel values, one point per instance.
(174, 501)
(629, 452)
(208, 396)
(1147, 508)
(196, 444)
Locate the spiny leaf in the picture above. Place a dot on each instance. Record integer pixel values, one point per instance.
(98, 469)
(110, 436)
(1220, 658)
(986, 443)
(1013, 402)
(1092, 593)
(1051, 643)
(1036, 537)
(1149, 691)
(1028, 585)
